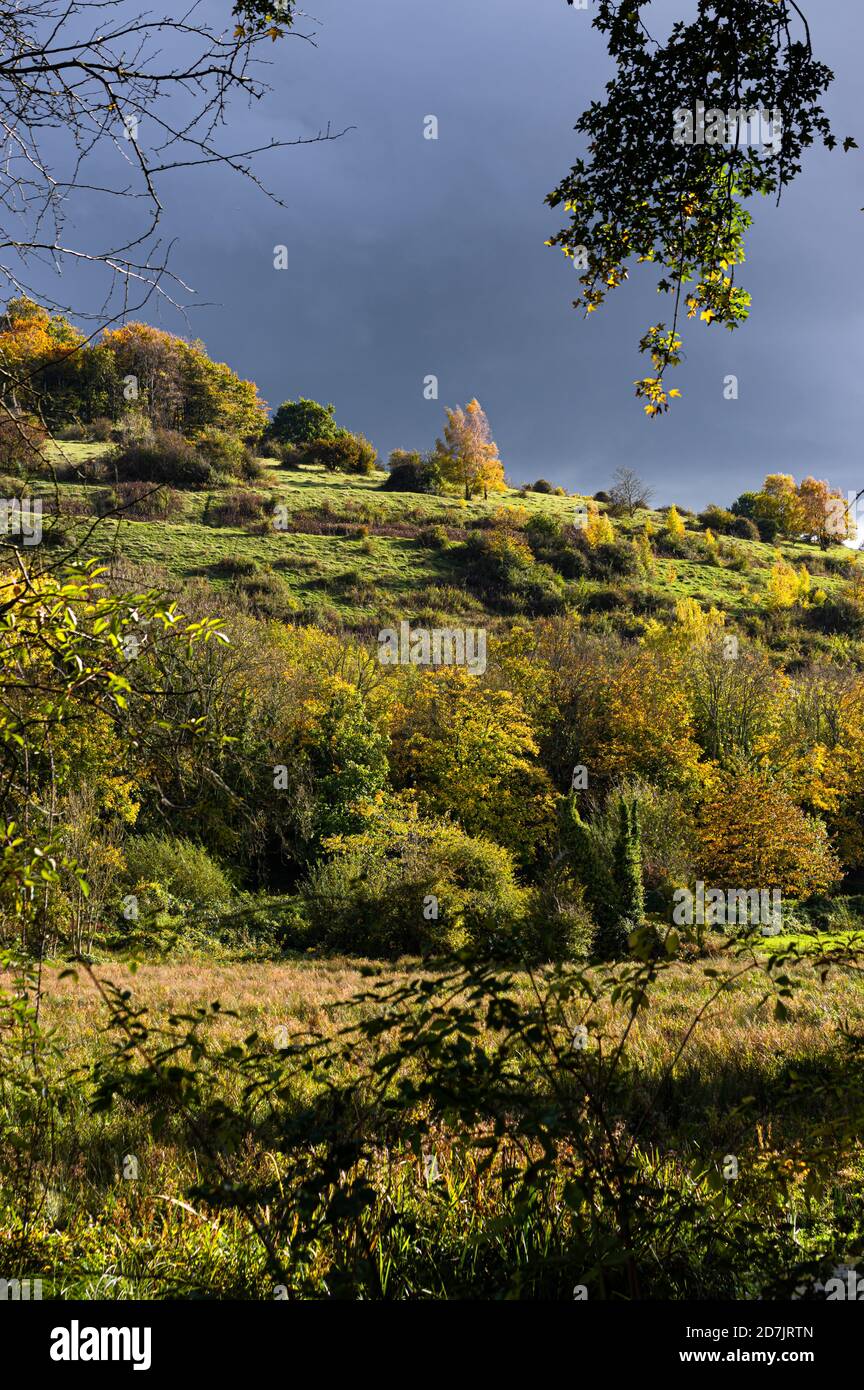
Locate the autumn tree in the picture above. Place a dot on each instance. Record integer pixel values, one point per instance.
(780, 500)
(176, 384)
(736, 703)
(40, 371)
(471, 752)
(825, 513)
(468, 456)
(816, 746)
(620, 710)
(753, 835)
(598, 528)
(786, 586)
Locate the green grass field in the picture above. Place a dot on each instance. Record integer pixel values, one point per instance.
(357, 554)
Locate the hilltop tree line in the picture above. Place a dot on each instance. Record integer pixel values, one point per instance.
(154, 390)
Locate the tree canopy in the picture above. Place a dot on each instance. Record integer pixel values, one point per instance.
(644, 196)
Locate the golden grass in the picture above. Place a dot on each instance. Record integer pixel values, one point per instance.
(737, 1028)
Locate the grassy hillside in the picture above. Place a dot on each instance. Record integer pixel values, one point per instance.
(356, 555)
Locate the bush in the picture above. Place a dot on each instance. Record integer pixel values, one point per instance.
(237, 509)
(612, 940)
(678, 547)
(71, 433)
(557, 926)
(413, 472)
(613, 560)
(227, 455)
(164, 457)
(434, 536)
(502, 570)
(266, 595)
(744, 529)
(838, 615)
(134, 427)
(542, 485)
(100, 430)
(177, 866)
(234, 565)
(272, 449)
(407, 885)
(345, 453)
(717, 519)
(145, 501)
(768, 528)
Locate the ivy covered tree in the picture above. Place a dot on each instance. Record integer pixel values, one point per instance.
(627, 867)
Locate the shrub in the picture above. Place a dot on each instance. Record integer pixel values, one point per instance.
(543, 529)
(134, 427)
(744, 529)
(769, 528)
(272, 449)
(71, 433)
(100, 430)
(344, 453)
(558, 926)
(226, 454)
(408, 885)
(613, 560)
(412, 472)
(164, 457)
(292, 455)
(433, 536)
(835, 616)
(612, 940)
(234, 565)
(178, 866)
(502, 569)
(235, 509)
(718, 520)
(266, 595)
(678, 547)
(145, 501)
(542, 485)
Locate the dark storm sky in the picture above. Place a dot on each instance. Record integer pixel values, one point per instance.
(409, 257)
